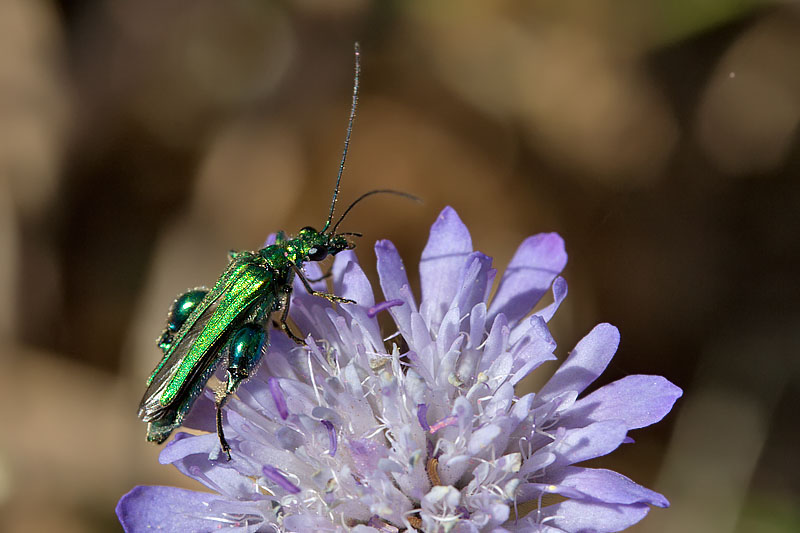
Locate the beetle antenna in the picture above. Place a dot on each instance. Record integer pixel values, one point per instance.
(353, 107)
(370, 193)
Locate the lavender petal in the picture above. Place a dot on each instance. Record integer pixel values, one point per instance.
(559, 294)
(474, 281)
(586, 362)
(607, 486)
(202, 415)
(538, 260)
(638, 400)
(166, 508)
(442, 263)
(595, 440)
(349, 280)
(394, 283)
(191, 455)
(575, 516)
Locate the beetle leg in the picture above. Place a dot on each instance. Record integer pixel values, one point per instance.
(310, 289)
(285, 314)
(245, 349)
(223, 443)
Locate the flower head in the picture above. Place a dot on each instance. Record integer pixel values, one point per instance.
(423, 430)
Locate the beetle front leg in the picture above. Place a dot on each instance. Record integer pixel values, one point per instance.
(245, 349)
(310, 289)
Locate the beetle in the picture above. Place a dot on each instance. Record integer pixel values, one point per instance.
(229, 321)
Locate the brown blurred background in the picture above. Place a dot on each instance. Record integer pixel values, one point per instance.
(140, 140)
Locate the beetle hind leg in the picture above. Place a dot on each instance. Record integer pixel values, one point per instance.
(223, 442)
(245, 350)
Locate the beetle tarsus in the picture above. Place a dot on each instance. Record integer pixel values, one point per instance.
(223, 442)
(311, 291)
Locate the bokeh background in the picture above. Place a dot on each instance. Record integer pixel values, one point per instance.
(140, 140)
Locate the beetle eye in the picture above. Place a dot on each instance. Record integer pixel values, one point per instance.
(317, 253)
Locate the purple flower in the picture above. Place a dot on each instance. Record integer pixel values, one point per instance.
(423, 430)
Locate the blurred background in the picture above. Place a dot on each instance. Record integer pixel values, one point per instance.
(140, 140)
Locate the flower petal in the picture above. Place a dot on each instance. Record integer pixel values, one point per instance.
(191, 455)
(303, 303)
(202, 414)
(185, 444)
(582, 444)
(349, 280)
(584, 364)
(166, 509)
(607, 486)
(270, 240)
(442, 263)
(309, 523)
(638, 400)
(575, 516)
(532, 349)
(527, 525)
(559, 294)
(538, 260)
(474, 281)
(482, 438)
(394, 284)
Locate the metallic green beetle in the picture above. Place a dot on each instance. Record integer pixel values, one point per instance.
(229, 322)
